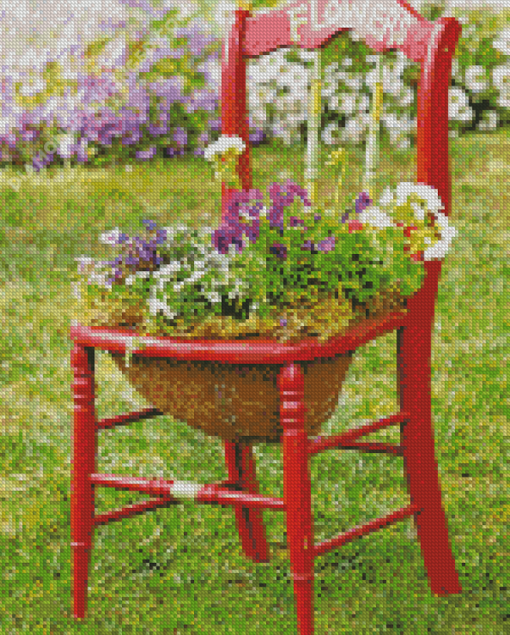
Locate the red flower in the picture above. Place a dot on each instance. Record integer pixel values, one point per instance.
(355, 225)
(408, 230)
(417, 257)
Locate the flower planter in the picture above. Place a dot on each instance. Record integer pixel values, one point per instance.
(241, 401)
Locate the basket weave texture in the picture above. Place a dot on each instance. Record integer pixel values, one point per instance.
(241, 401)
(234, 401)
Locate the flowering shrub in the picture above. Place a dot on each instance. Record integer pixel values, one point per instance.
(86, 84)
(78, 84)
(274, 267)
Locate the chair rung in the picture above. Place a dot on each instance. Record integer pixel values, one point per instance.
(122, 420)
(212, 493)
(347, 438)
(388, 448)
(363, 530)
(132, 510)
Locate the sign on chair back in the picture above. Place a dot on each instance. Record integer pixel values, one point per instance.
(383, 24)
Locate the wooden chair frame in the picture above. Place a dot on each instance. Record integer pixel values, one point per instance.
(432, 45)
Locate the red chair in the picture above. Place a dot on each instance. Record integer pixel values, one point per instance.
(432, 45)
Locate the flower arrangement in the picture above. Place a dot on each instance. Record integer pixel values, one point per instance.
(278, 268)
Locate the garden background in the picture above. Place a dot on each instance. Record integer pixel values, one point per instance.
(106, 109)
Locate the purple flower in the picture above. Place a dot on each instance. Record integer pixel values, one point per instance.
(307, 246)
(317, 217)
(132, 260)
(295, 221)
(150, 225)
(283, 322)
(161, 235)
(362, 202)
(279, 250)
(180, 136)
(122, 239)
(257, 136)
(215, 124)
(146, 154)
(327, 245)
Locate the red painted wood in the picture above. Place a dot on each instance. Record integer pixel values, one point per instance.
(132, 510)
(384, 25)
(297, 493)
(122, 420)
(234, 118)
(388, 448)
(363, 530)
(211, 493)
(415, 339)
(326, 443)
(255, 351)
(433, 46)
(250, 523)
(84, 459)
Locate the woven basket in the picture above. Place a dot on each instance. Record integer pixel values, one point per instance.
(240, 401)
(234, 401)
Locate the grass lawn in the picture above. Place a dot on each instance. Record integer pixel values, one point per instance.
(181, 570)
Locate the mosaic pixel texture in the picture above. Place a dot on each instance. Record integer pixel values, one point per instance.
(253, 292)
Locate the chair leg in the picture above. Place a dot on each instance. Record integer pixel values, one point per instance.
(297, 494)
(84, 461)
(250, 523)
(414, 384)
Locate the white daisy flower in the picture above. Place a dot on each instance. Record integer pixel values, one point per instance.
(222, 145)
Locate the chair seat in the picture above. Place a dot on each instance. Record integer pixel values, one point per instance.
(249, 351)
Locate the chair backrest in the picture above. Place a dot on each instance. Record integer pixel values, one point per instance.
(383, 25)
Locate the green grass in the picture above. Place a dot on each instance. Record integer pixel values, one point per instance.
(181, 570)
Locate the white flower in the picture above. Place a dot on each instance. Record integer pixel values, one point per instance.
(347, 62)
(501, 80)
(387, 197)
(426, 193)
(476, 79)
(173, 230)
(458, 105)
(448, 233)
(99, 279)
(35, 87)
(213, 296)
(502, 43)
(85, 263)
(110, 238)
(222, 145)
(331, 134)
(375, 217)
(156, 305)
(168, 270)
(356, 127)
(490, 120)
